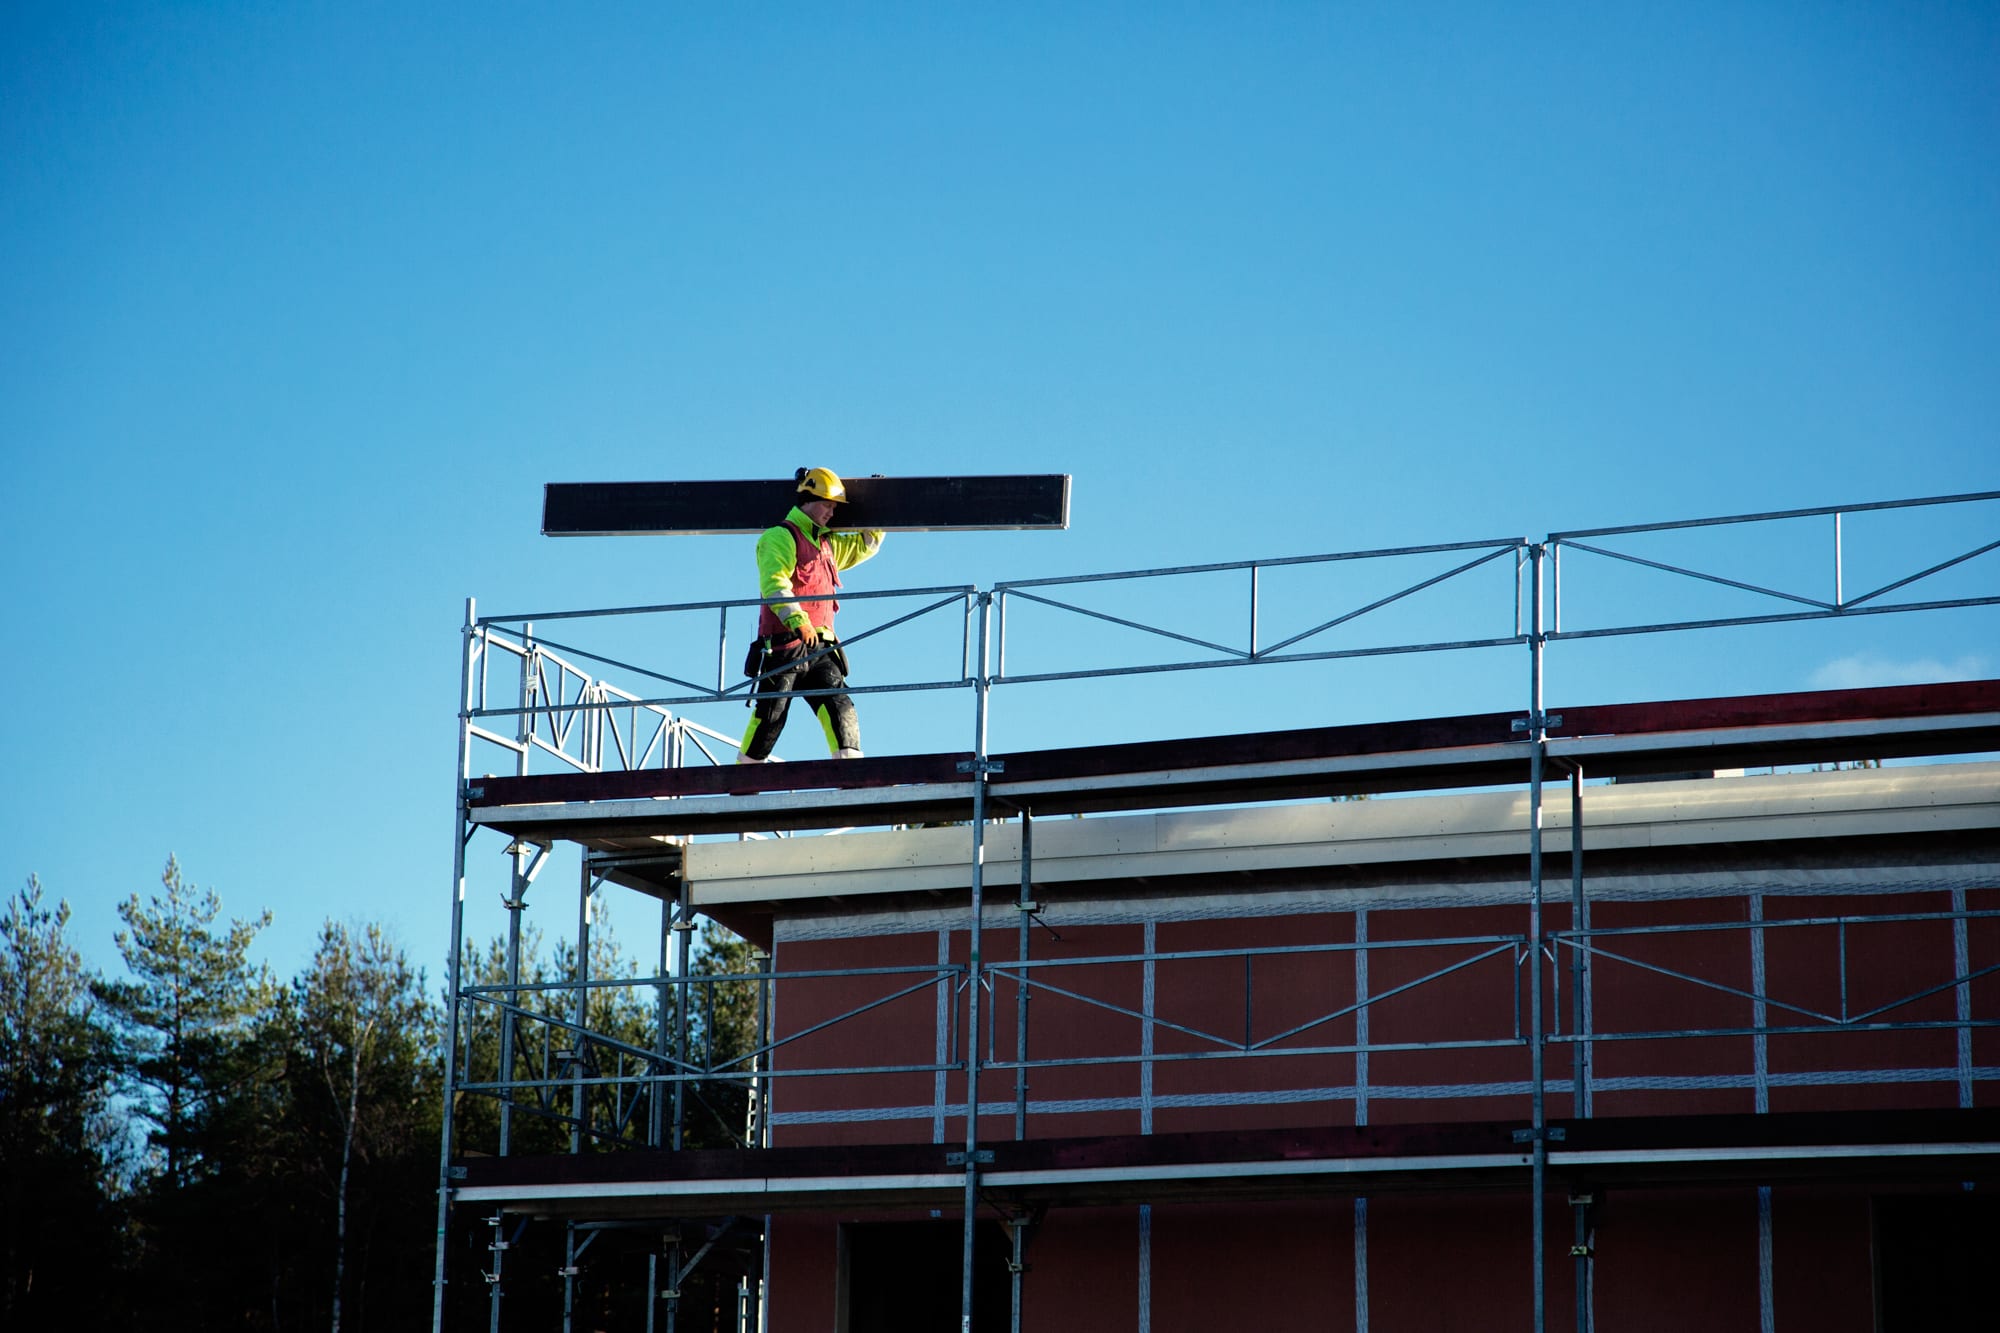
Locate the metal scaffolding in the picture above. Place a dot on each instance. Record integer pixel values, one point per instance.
(621, 1062)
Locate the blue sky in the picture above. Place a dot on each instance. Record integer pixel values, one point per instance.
(305, 303)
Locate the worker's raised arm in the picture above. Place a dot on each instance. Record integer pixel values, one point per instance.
(851, 548)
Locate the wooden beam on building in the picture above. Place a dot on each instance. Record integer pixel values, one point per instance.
(1434, 754)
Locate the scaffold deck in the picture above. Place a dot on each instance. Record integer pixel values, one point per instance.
(1631, 1152)
(624, 810)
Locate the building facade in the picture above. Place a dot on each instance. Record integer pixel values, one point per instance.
(1607, 1047)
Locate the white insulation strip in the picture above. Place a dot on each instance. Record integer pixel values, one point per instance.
(1080, 908)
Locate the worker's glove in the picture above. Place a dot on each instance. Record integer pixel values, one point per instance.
(809, 634)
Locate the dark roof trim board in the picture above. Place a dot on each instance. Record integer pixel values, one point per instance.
(1424, 754)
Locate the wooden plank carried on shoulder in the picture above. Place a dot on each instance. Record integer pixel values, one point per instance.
(895, 504)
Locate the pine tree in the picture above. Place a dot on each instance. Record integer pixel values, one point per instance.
(625, 1017)
(59, 1149)
(364, 1036)
(184, 1016)
(201, 1068)
(726, 1034)
(476, 1116)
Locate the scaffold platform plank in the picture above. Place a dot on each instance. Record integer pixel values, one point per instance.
(1903, 1145)
(896, 504)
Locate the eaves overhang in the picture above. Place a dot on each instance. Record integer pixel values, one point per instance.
(1930, 800)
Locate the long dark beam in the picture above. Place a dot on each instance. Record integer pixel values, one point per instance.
(896, 504)
(1814, 726)
(1091, 764)
(1874, 704)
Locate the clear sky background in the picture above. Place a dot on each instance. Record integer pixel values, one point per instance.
(304, 303)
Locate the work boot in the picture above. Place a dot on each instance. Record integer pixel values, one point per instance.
(847, 752)
(746, 759)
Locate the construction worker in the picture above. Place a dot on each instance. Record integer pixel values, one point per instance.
(797, 560)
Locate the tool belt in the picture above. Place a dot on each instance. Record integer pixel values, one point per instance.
(771, 654)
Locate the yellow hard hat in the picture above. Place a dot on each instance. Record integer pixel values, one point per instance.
(821, 484)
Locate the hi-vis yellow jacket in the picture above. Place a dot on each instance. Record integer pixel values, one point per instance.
(778, 566)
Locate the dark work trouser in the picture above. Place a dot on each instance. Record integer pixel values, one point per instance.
(774, 700)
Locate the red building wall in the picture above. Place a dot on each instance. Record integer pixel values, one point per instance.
(1663, 1259)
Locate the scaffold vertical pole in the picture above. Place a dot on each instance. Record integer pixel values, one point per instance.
(496, 1280)
(569, 1272)
(973, 976)
(516, 900)
(1839, 592)
(1254, 571)
(505, 1071)
(1026, 909)
(1538, 749)
(760, 1137)
(579, 1108)
(458, 841)
(1579, 965)
(1017, 1267)
(683, 1002)
(674, 1278)
(758, 1131)
(656, 1110)
(1579, 924)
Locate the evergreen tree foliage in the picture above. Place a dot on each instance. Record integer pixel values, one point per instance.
(476, 1116)
(184, 1018)
(59, 1150)
(619, 1039)
(631, 1027)
(195, 1146)
(725, 1028)
(201, 1055)
(363, 1084)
